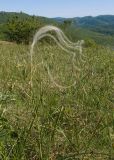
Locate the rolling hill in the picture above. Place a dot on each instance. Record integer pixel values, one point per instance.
(102, 24)
(99, 28)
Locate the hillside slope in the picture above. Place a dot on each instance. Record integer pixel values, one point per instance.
(100, 28)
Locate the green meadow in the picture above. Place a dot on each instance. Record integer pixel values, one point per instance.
(45, 122)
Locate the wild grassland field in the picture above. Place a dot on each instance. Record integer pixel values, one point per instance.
(47, 122)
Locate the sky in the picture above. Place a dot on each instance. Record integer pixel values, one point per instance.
(59, 8)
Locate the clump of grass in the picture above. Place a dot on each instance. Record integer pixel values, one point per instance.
(75, 123)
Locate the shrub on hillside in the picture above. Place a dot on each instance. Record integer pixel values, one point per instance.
(90, 43)
(21, 30)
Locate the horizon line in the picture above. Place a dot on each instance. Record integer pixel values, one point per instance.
(30, 14)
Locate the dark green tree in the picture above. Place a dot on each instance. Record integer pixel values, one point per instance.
(90, 43)
(21, 30)
(67, 22)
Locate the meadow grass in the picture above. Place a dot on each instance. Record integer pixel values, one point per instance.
(50, 123)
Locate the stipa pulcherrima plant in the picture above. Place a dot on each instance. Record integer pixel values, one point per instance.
(63, 42)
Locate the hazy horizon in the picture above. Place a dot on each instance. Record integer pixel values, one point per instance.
(58, 16)
(59, 8)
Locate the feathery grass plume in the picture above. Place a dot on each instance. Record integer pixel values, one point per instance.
(63, 42)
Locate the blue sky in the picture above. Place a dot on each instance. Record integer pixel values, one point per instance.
(59, 8)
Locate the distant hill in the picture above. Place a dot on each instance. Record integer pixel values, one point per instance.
(99, 28)
(102, 24)
(5, 16)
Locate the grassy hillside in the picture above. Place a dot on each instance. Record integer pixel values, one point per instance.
(100, 28)
(101, 24)
(77, 33)
(50, 123)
